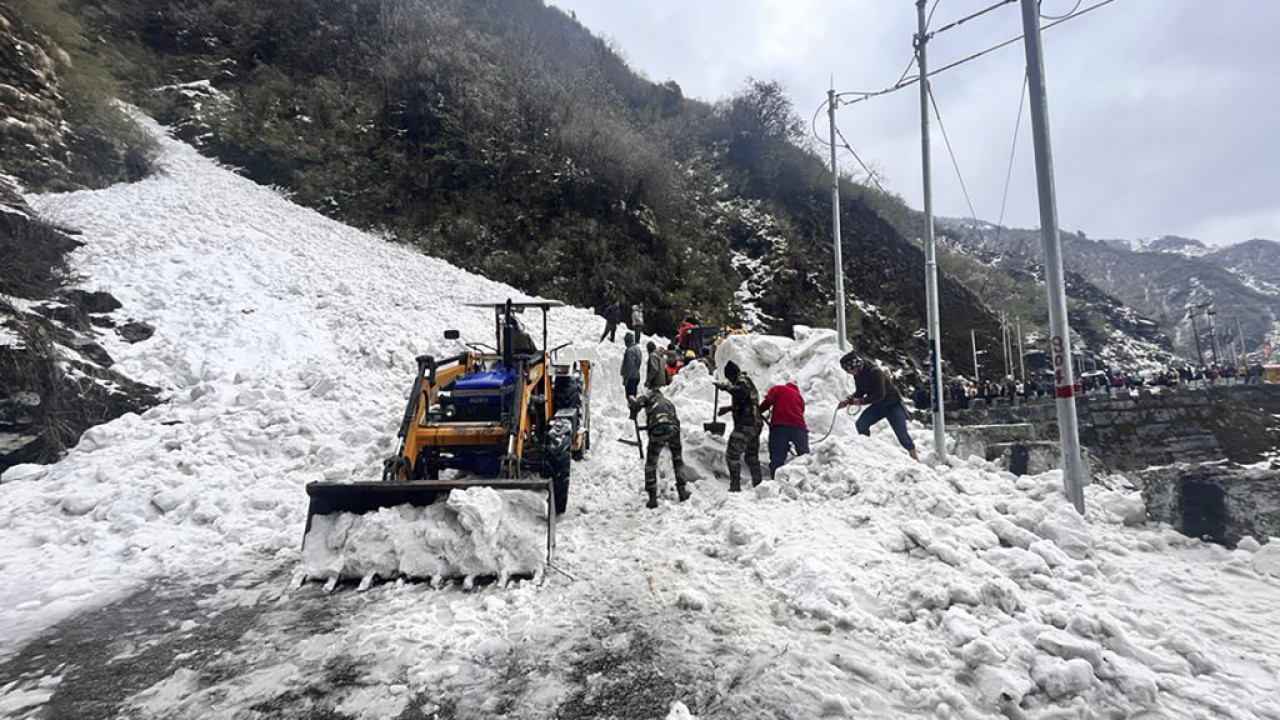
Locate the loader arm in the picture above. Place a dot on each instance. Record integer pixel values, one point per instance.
(431, 379)
(538, 380)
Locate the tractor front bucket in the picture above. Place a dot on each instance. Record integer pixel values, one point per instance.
(366, 497)
(340, 544)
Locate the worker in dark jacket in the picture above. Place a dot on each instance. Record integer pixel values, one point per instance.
(706, 358)
(632, 363)
(787, 428)
(880, 399)
(745, 438)
(655, 372)
(612, 314)
(663, 426)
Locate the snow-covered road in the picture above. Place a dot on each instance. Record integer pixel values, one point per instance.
(858, 584)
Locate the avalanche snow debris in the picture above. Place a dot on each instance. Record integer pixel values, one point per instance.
(867, 584)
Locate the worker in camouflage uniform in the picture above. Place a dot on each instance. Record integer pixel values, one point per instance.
(663, 426)
(706, 358)
(655, 368)
(745, 438)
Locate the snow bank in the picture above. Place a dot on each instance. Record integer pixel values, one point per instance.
(284, 343)
(979, 591)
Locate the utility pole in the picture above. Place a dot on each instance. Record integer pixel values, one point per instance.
(1240, 334)
(930, 257)
(1005, 344)
(835, 223)
(973, 338)
(1022, 362)
(1213, 334)
(1073, 476)
(1195, 330)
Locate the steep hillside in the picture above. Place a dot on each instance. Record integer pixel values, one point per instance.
(504, 137)
(1106, 331)
(58, 130)
(1256, 262)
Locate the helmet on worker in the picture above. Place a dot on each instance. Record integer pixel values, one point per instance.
(851, 362)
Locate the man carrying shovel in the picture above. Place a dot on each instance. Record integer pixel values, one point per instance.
(663, 426)
(745, 438)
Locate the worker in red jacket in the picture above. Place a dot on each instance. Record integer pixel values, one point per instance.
(787, 429)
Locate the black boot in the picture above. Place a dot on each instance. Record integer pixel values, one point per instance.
(735, 484)
(683, 492)
(653, 499)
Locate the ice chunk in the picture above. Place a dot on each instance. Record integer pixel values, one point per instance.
(1061, 678)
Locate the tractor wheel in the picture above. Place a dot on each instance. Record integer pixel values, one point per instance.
(426, 467)
(558, 462)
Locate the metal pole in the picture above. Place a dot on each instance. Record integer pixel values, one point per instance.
(835, 224)
(1022, 362)
(1073, 476)
(1195, 330)
(1213, 334)
(1240, 334)
(1004, 338)
(930, 256)
(973, 339)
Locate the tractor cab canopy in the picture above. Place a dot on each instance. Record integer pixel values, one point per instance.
(512, 340)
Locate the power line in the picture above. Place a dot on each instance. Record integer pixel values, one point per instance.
(954, 162)
(967, 18)
(865, 169)
(932, 10)
(1013, 151)
(863, 96)
(1060, 17)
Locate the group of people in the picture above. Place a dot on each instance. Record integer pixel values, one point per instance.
(961, 393)
(783, 407)
(1211, 374)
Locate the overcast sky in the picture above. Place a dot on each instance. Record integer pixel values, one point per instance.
(1164, 113)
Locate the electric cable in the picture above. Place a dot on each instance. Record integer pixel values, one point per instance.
(929, 20)
(849, 410)
(954, 162)
(863, 96)
(1013, 151)
(967, 18)
(1059, 17)
(865, 169)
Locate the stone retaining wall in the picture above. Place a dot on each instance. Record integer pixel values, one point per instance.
(1137, 430)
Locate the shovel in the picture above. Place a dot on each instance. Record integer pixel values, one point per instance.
(715, 427)
(636, 442)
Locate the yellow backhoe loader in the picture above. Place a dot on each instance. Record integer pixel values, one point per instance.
(506, 417)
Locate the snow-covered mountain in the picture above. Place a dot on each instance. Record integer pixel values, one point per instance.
(1256, 262)
(1168, 244)
(858, 583)
(1163, 281)
(1008, 275)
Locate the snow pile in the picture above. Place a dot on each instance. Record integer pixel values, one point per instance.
(857, 583)
(476, 531)
(285, 346)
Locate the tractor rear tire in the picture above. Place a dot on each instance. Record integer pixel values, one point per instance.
(558, 462)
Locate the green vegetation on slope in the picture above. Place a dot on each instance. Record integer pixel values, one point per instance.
(502, 136)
